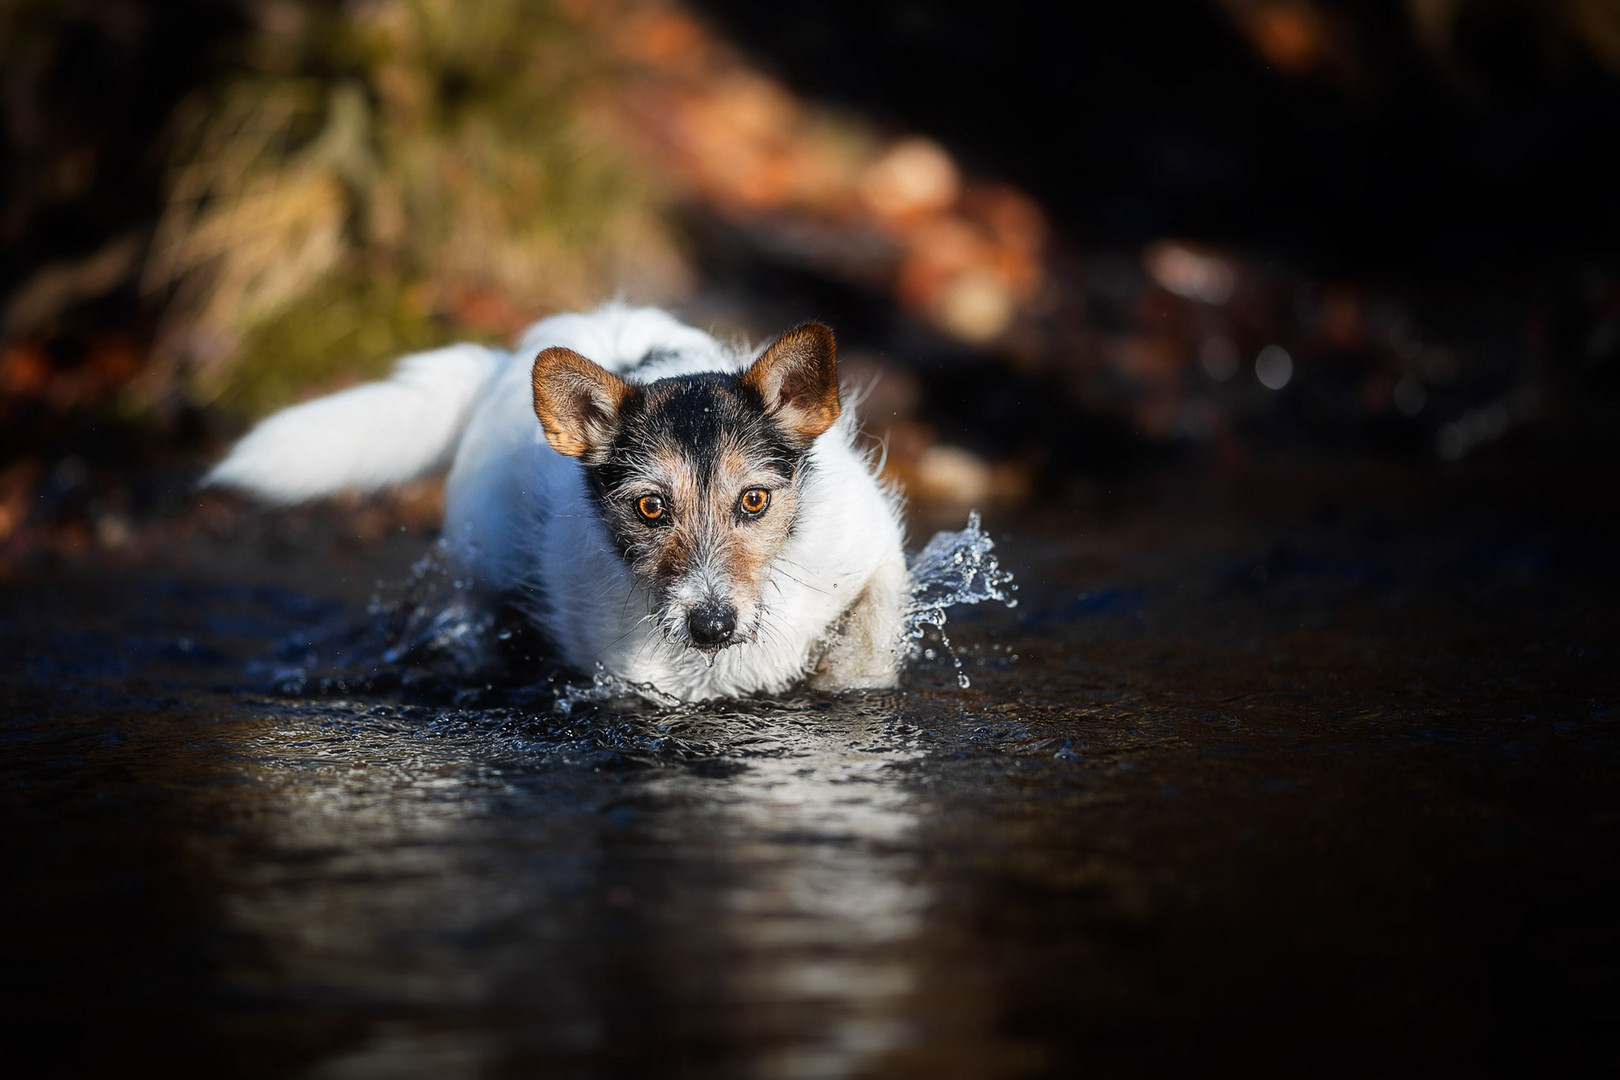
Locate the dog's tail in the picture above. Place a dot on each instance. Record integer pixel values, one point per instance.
(370, 437)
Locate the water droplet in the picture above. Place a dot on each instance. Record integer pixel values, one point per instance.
(952, 569)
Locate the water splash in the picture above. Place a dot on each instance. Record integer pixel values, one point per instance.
(605, 686)
(431, 626)
(953, 569)
(436, 616)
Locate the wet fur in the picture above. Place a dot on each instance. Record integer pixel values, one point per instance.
(702, 441)
(592, 411)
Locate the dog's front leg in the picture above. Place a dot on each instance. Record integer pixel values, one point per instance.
(864, 653)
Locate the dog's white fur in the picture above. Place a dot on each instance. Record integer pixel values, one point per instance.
(519, 520)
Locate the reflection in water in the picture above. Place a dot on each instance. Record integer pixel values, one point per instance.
(1342, 795)
(827, 894)
(380, 872)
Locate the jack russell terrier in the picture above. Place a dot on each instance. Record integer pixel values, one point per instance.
(689, 518)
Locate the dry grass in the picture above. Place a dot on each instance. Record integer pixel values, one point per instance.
(383, 177)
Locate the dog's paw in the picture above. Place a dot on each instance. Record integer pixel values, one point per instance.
(864, 652)
(856, 664)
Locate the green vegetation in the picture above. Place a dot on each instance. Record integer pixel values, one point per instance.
(343, 326)
(383, 177)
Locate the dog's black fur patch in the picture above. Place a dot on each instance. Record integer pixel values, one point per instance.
(690, 415)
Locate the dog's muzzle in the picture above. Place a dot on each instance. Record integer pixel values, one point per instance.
(711, 625)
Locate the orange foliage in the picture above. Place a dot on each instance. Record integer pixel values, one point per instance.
(966, 255)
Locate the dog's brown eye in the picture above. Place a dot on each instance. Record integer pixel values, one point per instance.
(754, 501)
(651, 507)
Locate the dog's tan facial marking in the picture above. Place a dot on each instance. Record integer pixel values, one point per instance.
(747, 543)
(702, 522)
(723, 470)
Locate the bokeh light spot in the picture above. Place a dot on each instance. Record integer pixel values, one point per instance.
(1274, 367)
(1409, 395)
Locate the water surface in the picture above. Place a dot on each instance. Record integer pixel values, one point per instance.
(1286, 790)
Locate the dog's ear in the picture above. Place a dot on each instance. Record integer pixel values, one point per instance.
(798, 379)
(577, 403)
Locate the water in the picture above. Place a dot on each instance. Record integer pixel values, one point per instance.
(1282, 793)
(429, 624)
(954, 569)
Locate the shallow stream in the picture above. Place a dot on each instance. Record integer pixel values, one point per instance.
(1301, 788)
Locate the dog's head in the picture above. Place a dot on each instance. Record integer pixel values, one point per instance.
(696, 477)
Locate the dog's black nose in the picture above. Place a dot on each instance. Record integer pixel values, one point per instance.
(711, 624)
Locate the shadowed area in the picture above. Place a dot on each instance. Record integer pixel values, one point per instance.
(1310, 781)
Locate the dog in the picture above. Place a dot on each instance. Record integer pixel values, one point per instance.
(694, 520)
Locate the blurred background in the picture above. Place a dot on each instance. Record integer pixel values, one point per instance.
(1278, 340)
(1067, 250)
